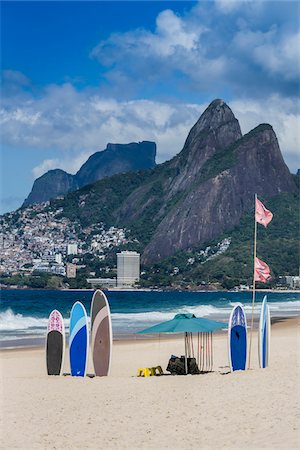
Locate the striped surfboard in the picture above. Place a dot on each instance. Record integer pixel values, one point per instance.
(79, 340)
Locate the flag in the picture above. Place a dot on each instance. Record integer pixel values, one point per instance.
(262, 214)
(262, 271)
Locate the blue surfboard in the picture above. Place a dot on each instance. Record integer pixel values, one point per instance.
(237, 338)
(264, 334)
(79, 340)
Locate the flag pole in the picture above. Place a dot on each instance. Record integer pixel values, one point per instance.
(253, 290)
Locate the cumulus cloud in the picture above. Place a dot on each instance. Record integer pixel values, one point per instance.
(78, 123)
(241, 47)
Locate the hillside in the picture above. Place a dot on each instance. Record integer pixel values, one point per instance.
(231, 265)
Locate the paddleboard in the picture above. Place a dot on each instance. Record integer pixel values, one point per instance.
(55, 343)
(264, 334)
(101, 334)
(79, 340)
(237, 338)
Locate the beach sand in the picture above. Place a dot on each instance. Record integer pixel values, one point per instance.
(246, 409)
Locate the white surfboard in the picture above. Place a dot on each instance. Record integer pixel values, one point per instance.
(264, 334)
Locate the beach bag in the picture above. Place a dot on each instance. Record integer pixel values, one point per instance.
(176, 366)
(193, 368)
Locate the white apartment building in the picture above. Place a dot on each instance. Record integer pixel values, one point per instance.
(72, 249)
(128, 268)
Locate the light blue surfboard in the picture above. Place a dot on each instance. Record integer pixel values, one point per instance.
(237, 338)
(79, 340)
(264, 334)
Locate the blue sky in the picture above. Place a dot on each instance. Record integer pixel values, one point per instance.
(76, 75)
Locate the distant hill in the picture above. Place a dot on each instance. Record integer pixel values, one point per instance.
(196, 197)
(116, 158)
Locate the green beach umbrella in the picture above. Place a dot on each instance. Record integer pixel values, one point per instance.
(185, 323)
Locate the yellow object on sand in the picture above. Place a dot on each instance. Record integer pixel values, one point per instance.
(149, 371)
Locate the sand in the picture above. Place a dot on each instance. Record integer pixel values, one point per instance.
(240, 410)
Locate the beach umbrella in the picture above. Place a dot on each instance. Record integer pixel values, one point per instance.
(188, 324)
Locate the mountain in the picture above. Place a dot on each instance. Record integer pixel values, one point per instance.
(50, 185)
(195, 197)
(116, 158)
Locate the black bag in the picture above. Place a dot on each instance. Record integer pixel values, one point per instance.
(176, 366)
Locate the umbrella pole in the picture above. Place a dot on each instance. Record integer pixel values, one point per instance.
(186, 344)
(201, 352)
(212, 360)
(192, 341)
(198, 355)
(207, 353)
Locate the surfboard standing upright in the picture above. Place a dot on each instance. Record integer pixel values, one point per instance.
(101, 332)
(237, 338)
(79, 340)
(264, 335)
(55, 343)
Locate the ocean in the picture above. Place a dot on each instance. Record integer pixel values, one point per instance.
(24, 313)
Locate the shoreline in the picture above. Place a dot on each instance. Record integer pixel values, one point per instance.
(151, 338)
(27, 288)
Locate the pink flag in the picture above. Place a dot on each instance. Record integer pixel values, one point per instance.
(262, 271)
(262, 214)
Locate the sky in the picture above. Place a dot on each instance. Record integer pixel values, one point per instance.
(77, 75)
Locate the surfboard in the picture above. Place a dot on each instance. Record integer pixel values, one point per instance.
(237, 338)
(79, 340)
(101, 334)
(55, 343)
(264, 334)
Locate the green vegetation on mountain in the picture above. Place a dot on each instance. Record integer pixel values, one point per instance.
(99, 202)
(226, 158)
(277, 245)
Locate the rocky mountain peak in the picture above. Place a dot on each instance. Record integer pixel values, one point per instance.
(219, 119)
(216, 129)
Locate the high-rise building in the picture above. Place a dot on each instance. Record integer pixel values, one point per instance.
(128, 268)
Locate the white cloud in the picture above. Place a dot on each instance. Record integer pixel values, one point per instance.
(77, 123)
(172, 33)
(281, 58)
(227, 6)
(47, 164)
(243, 46)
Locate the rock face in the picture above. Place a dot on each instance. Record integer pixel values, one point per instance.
(50, 185)
(217, 204)
(116, 158)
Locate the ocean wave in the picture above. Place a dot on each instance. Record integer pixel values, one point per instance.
(16, 322)
(289, 306)
(159, 316)
(11, 323)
